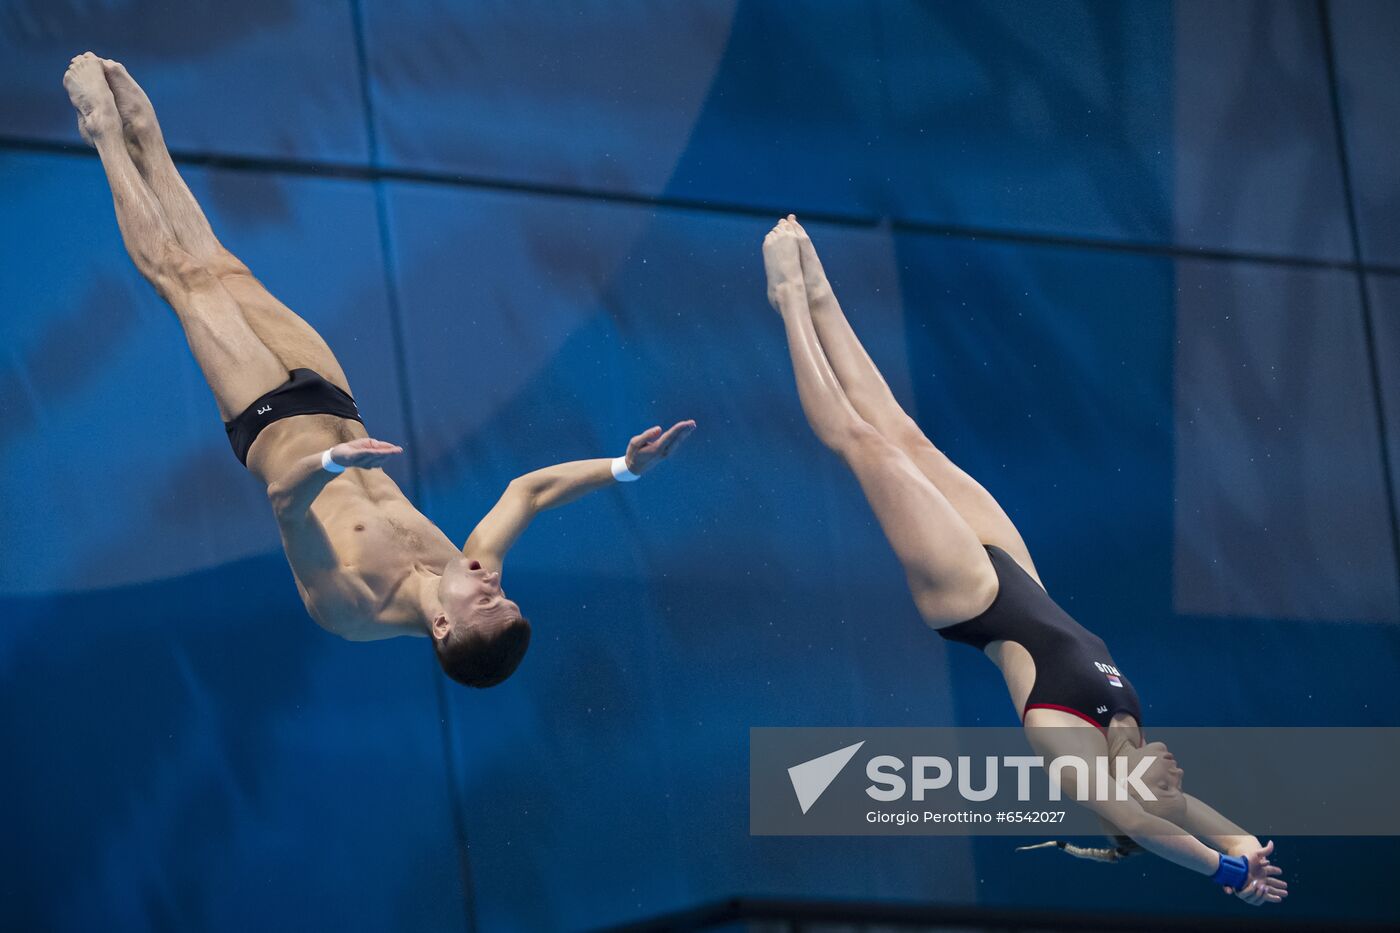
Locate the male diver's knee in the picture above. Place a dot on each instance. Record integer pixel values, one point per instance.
(175, 272)
(223, 263)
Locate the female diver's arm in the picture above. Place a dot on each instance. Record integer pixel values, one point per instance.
(1158, 836)
(1205, 821)
(1247, 874)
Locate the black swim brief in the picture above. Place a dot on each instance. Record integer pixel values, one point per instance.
(305, 393)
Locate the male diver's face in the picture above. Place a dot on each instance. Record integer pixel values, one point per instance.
(472, 596)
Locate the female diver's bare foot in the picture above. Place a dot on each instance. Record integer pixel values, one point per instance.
(781, 260)
(86, 84)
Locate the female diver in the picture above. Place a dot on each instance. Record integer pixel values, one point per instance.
(973, 581)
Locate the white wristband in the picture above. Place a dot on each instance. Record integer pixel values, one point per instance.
(329, 465)
(620, 471)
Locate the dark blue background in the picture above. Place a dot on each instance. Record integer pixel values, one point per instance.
(1104, 252)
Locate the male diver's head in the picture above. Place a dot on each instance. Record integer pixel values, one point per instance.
(480, 635)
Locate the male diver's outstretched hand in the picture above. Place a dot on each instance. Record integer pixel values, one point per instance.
(1263, 885)
(653, 445)
(293, 492)
(366, 453)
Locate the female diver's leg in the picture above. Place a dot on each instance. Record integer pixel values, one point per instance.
(948, 573)
(871, 397)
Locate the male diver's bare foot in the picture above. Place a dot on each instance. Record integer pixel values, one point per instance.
(145, 144)
(140, 128)
(87, 88)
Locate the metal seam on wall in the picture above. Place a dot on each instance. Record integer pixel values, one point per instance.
(386, 243)
(1368, 329)
(375, 173)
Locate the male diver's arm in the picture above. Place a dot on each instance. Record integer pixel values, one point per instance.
(308, 546)
(564, 482)
(292, 493)
(557, 485)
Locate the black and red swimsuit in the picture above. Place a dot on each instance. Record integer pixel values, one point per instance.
(1073, 670)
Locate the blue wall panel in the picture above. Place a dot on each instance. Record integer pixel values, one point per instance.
(1366, 35)
(795, 115)
(605, 98)
(1278, 468)
(1111, 120)
(198, 755)
(1254, 139)
(259, 78)
(1385, 316)
(646, 99)
(1053, 117)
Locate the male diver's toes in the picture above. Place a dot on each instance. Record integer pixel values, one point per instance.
(117, 72)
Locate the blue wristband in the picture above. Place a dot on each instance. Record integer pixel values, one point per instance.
(1233, 871)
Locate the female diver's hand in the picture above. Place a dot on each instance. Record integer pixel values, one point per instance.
(1263, 884)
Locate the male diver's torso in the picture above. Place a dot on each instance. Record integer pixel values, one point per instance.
(380, 540)
(1070, 668)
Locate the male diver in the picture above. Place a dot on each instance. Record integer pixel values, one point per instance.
(368, 564)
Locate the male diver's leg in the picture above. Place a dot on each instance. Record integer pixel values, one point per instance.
(948, 573)
(871, 397)
(235, 363)
(293, 341)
